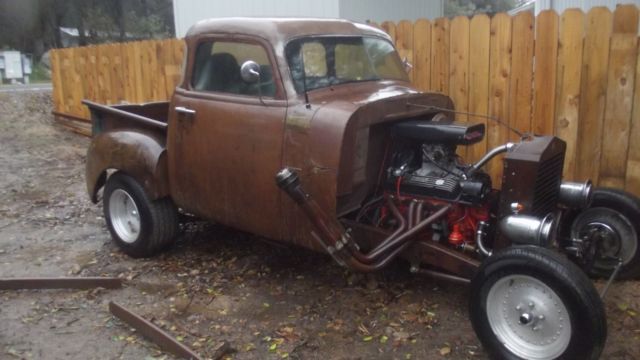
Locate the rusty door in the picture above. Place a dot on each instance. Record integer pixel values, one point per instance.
(225, 140)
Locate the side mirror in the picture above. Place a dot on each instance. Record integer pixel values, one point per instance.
(407, 65)
(250, 72)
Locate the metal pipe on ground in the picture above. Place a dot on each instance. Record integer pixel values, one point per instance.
(81, 283)
(149, 330)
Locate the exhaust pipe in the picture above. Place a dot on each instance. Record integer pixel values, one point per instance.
(576, 195)
(529, 230)
(338, 242)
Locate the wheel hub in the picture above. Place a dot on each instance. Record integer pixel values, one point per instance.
(528, 317)
(124, 216)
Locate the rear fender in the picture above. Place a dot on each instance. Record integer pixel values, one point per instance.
(140, 155)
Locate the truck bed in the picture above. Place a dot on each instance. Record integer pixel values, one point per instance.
(152, 115)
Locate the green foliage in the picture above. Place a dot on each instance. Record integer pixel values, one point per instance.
(32, 25)
(471, 7)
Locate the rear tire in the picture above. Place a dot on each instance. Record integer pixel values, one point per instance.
(531, 303)
(139, 226)
(614, 217)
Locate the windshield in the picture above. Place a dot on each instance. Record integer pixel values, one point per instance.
(337, 60)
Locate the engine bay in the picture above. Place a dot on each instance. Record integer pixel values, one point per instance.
(422, 172)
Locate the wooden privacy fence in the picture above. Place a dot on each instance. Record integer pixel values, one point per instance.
(572, 75)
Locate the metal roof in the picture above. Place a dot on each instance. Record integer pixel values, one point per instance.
(282, 29)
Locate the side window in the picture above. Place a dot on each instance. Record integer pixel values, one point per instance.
(217, 68)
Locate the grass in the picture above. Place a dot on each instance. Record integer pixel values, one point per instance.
(39, 74)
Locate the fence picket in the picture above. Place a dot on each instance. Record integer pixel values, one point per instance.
(592, 92)
(520, 89)
(568, 85)
(499, 72)
(422, 54)
(440, 56)
(479, 33)
(544, 80)
(404, 43)
(632, 182)
(620, 84)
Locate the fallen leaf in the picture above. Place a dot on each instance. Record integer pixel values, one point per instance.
(445, 350)
(367, 338)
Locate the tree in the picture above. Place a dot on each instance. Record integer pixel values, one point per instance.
(471, 7)
(34, 25)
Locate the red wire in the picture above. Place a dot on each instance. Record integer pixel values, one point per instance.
(398, 186)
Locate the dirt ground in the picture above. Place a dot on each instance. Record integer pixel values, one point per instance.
(215, 285)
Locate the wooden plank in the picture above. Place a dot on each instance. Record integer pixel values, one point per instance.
(93, 74)
(625, 19)
(440, 56)
(459, 70)
(104, 78)
(148, 67)
(568, 85)
(619, 100)
(117, 73)
(128, 79)
(520, 93)
(56, 80)
(593, 89)
(422, 54)
(137, 58)
(76, 77)
(170, 69)
(544, 79)
(499, 72)
(479, 36)
(632, 183)
(390, 28)
(404, 43)
(68, 70)
(459, 65)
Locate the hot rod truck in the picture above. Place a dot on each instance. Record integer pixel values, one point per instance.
(307, 131)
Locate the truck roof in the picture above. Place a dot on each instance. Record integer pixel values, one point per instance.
(282, 29)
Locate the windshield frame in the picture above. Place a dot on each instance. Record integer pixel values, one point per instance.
(310, 39)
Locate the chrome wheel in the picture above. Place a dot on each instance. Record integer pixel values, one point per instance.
(528, 317)
(124, 216)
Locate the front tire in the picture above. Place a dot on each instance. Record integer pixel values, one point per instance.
(139, 226)
(530, 303)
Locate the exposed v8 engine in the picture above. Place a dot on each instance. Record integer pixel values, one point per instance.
(425, 163)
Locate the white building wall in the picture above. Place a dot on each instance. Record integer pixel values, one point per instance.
(188, 12)
(381, 10)
(561, 5)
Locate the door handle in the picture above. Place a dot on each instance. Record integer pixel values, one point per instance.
(184, 110)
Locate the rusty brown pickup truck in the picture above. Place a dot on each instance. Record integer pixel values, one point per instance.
(308, 132)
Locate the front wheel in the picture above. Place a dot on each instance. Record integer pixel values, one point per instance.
(530, 303)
